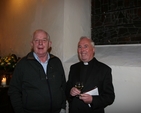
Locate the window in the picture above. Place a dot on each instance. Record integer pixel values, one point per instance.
(116, 22)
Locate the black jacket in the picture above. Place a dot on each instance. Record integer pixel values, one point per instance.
(31, 92)
(98, 75)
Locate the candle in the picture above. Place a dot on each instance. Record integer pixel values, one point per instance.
(3, 81)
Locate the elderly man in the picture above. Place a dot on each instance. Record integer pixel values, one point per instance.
(89, 86)
(38, 82)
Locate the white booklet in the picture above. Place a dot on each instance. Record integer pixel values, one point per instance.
(92, 92)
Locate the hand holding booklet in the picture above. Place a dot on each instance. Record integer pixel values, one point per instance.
(92, 92)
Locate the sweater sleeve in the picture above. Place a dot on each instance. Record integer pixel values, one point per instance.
(63, 88)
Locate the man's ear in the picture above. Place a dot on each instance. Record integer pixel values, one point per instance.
(49, 44)
(94, 49)
(31, 43)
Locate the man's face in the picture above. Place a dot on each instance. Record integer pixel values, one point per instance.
(40, 43)
(85, 50)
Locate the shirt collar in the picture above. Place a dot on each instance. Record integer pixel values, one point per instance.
(37, 58)
(88, 63)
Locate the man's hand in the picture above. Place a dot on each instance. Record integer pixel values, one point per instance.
(86, 98)
(75, 92)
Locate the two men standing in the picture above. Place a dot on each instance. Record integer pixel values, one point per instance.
(38, 84)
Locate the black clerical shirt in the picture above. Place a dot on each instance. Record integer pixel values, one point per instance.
(85, 71)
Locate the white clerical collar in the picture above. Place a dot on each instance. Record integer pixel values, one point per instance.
(86, 63)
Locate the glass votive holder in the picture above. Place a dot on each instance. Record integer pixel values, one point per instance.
(3, 80)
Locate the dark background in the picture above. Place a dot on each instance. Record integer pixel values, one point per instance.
(116, 22)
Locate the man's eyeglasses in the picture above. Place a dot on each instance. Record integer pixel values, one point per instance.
(40, 40)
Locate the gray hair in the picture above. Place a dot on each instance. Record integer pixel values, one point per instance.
(41, 30)
(85, 37)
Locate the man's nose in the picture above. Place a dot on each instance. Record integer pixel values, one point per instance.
(83, 49)
(40, 41)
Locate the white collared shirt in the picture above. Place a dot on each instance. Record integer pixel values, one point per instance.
(44, 64)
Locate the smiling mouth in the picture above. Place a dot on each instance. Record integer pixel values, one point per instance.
(40, 48)
(83, 54)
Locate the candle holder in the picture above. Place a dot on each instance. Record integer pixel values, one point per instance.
(3, 80)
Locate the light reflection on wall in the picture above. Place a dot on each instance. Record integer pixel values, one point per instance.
(15, 23)
(16, 5)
